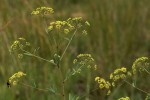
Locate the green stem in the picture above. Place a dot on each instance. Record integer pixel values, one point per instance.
(136, 87)
(63, 82)
(30, 54)
(39, 89)
(146, 70)
(114, 92)
(68, 44)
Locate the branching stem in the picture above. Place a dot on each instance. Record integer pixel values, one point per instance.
(136, 87)
(68, 44)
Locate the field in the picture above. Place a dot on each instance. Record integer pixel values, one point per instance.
(119, 33)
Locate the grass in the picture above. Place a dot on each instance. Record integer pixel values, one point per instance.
(119, 33)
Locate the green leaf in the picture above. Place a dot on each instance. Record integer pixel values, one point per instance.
(28, 54)
(73, 97)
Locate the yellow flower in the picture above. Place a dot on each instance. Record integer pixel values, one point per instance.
(58, 26)
(97, 78)
(103, 83)
(15, 78)
(66, 31)
(111, 76)
(108, 93)
(139, 64)
(101, 86)
(123, 76)
(43, 11)
(113, 84)
(124, 98)
(50, 28)
(129, 74)
(123, 69)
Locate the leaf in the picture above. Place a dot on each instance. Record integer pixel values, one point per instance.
(73, 97)
(28, 54)
(68, 74)
(134, 83)
(67, 39)
(53, 89)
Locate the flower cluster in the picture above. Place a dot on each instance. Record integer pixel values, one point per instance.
(119, 74)
(19, 45)
(15, 78)
(84, 60)
(124, 98)
(43, 11)
(103, 84)
(68, 25)
(140, 64)
(116, 76)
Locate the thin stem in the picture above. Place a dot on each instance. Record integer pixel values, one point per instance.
(146, 70)
(49, 35)
(68, 44)
(30, 54)
(63, 82)
(136, 87)
(116, 89)
(88, 85)
(40, 89)
(63, 87)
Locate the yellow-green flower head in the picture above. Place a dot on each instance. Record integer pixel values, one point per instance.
(129, 74)
(113, 84)
(74, 61)
(108, 93)
(15, 45)
(85, 60)
(43, 11)
(139, 64)
(124, 98)
(123, 69)
(15, 78)
(122, 76)
(101, 86)
(66, 31)
(97, 78)
(102, 83)
(77, 19)
(58, 25)
(118, 75)
(19, 44)
(111, 76)
(20, 56)
(50, 28)
(66, 26)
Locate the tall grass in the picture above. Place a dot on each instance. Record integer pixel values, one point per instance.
(119, 33)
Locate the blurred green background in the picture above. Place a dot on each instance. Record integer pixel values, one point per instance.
(119, 33)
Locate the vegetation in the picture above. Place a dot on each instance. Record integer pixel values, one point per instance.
(118, 34)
